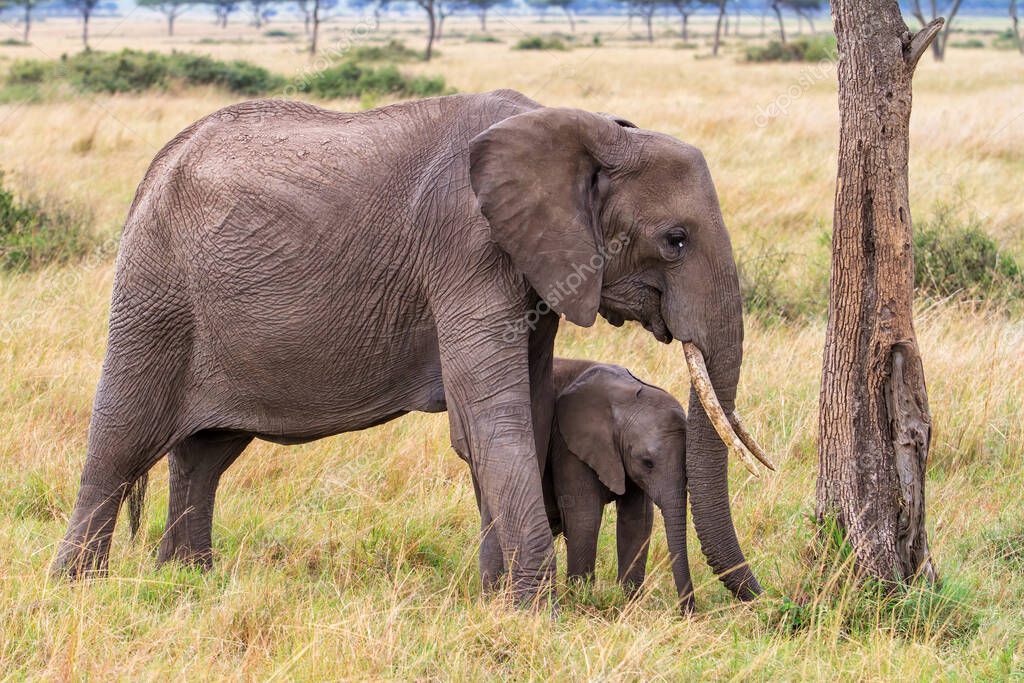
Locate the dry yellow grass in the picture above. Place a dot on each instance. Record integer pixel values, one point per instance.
(354, 557)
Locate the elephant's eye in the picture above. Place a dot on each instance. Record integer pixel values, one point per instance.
(648, 463)
(675, 243)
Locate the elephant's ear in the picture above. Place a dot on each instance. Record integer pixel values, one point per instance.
(583, 412)
(534, 175)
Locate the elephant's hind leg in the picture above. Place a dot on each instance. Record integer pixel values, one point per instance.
(136, 416)
(118, 456)
(195, 466)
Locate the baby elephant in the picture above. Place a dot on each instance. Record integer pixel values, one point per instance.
(616, 438)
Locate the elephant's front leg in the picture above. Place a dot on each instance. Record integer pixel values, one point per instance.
(632, 536)
(492, 564)
(487, 386)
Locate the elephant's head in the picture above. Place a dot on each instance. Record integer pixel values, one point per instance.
(623, 428)
(603, 217)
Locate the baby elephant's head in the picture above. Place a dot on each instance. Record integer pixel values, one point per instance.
(625, 429)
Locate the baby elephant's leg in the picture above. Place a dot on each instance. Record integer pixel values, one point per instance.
(581, 522)
(632, 536)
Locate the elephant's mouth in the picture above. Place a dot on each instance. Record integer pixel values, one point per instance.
(628, 299)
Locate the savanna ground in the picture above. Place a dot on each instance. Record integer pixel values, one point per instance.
(355, 556)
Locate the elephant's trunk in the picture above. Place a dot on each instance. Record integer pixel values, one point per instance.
(675, 531)
(707, 478)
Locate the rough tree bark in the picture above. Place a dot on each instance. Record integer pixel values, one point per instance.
(875, 428)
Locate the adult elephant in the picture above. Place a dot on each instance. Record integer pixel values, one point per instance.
(288, 273)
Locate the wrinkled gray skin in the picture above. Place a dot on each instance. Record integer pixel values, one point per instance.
(615, 438)
(288, 273)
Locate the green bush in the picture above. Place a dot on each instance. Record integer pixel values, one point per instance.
(280, 33)
(540, 43)
(350, 79)
(814, 49)
(33, 235)
(1005, 40)
(137, 71)
(951, 258)
(482, 38)
(970, 44)
(237, 76)
(392, 51)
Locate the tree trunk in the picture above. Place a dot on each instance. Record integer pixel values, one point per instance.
(718, 28)
(376, 17)
(170, 24)
(314, 34)
(483, 21)
(685, 27)
(1013, 18)
(85, 29)
(572, 22)
(28, 21)
(432, 29)
(875, 429)
(649, 20)
(782, 26)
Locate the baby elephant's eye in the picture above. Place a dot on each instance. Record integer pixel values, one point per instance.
(648, 463)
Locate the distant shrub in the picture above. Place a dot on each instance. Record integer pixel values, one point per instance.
(1005, 40)
(540, 43)
(952, 258)
(280, 33)
(137, 71)
(814, 49)
(237, 76)
(680, 45)
(13, 42)
(392, 51)
(33, 234)
(970, 44)
(482, 38)
(349, 79)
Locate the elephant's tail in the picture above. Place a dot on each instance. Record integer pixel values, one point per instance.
(137, 503)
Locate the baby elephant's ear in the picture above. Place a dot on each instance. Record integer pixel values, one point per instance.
(585, 420)
(534, 175)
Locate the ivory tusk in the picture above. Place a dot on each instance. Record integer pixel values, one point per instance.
(706, 392)
(748, 440)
